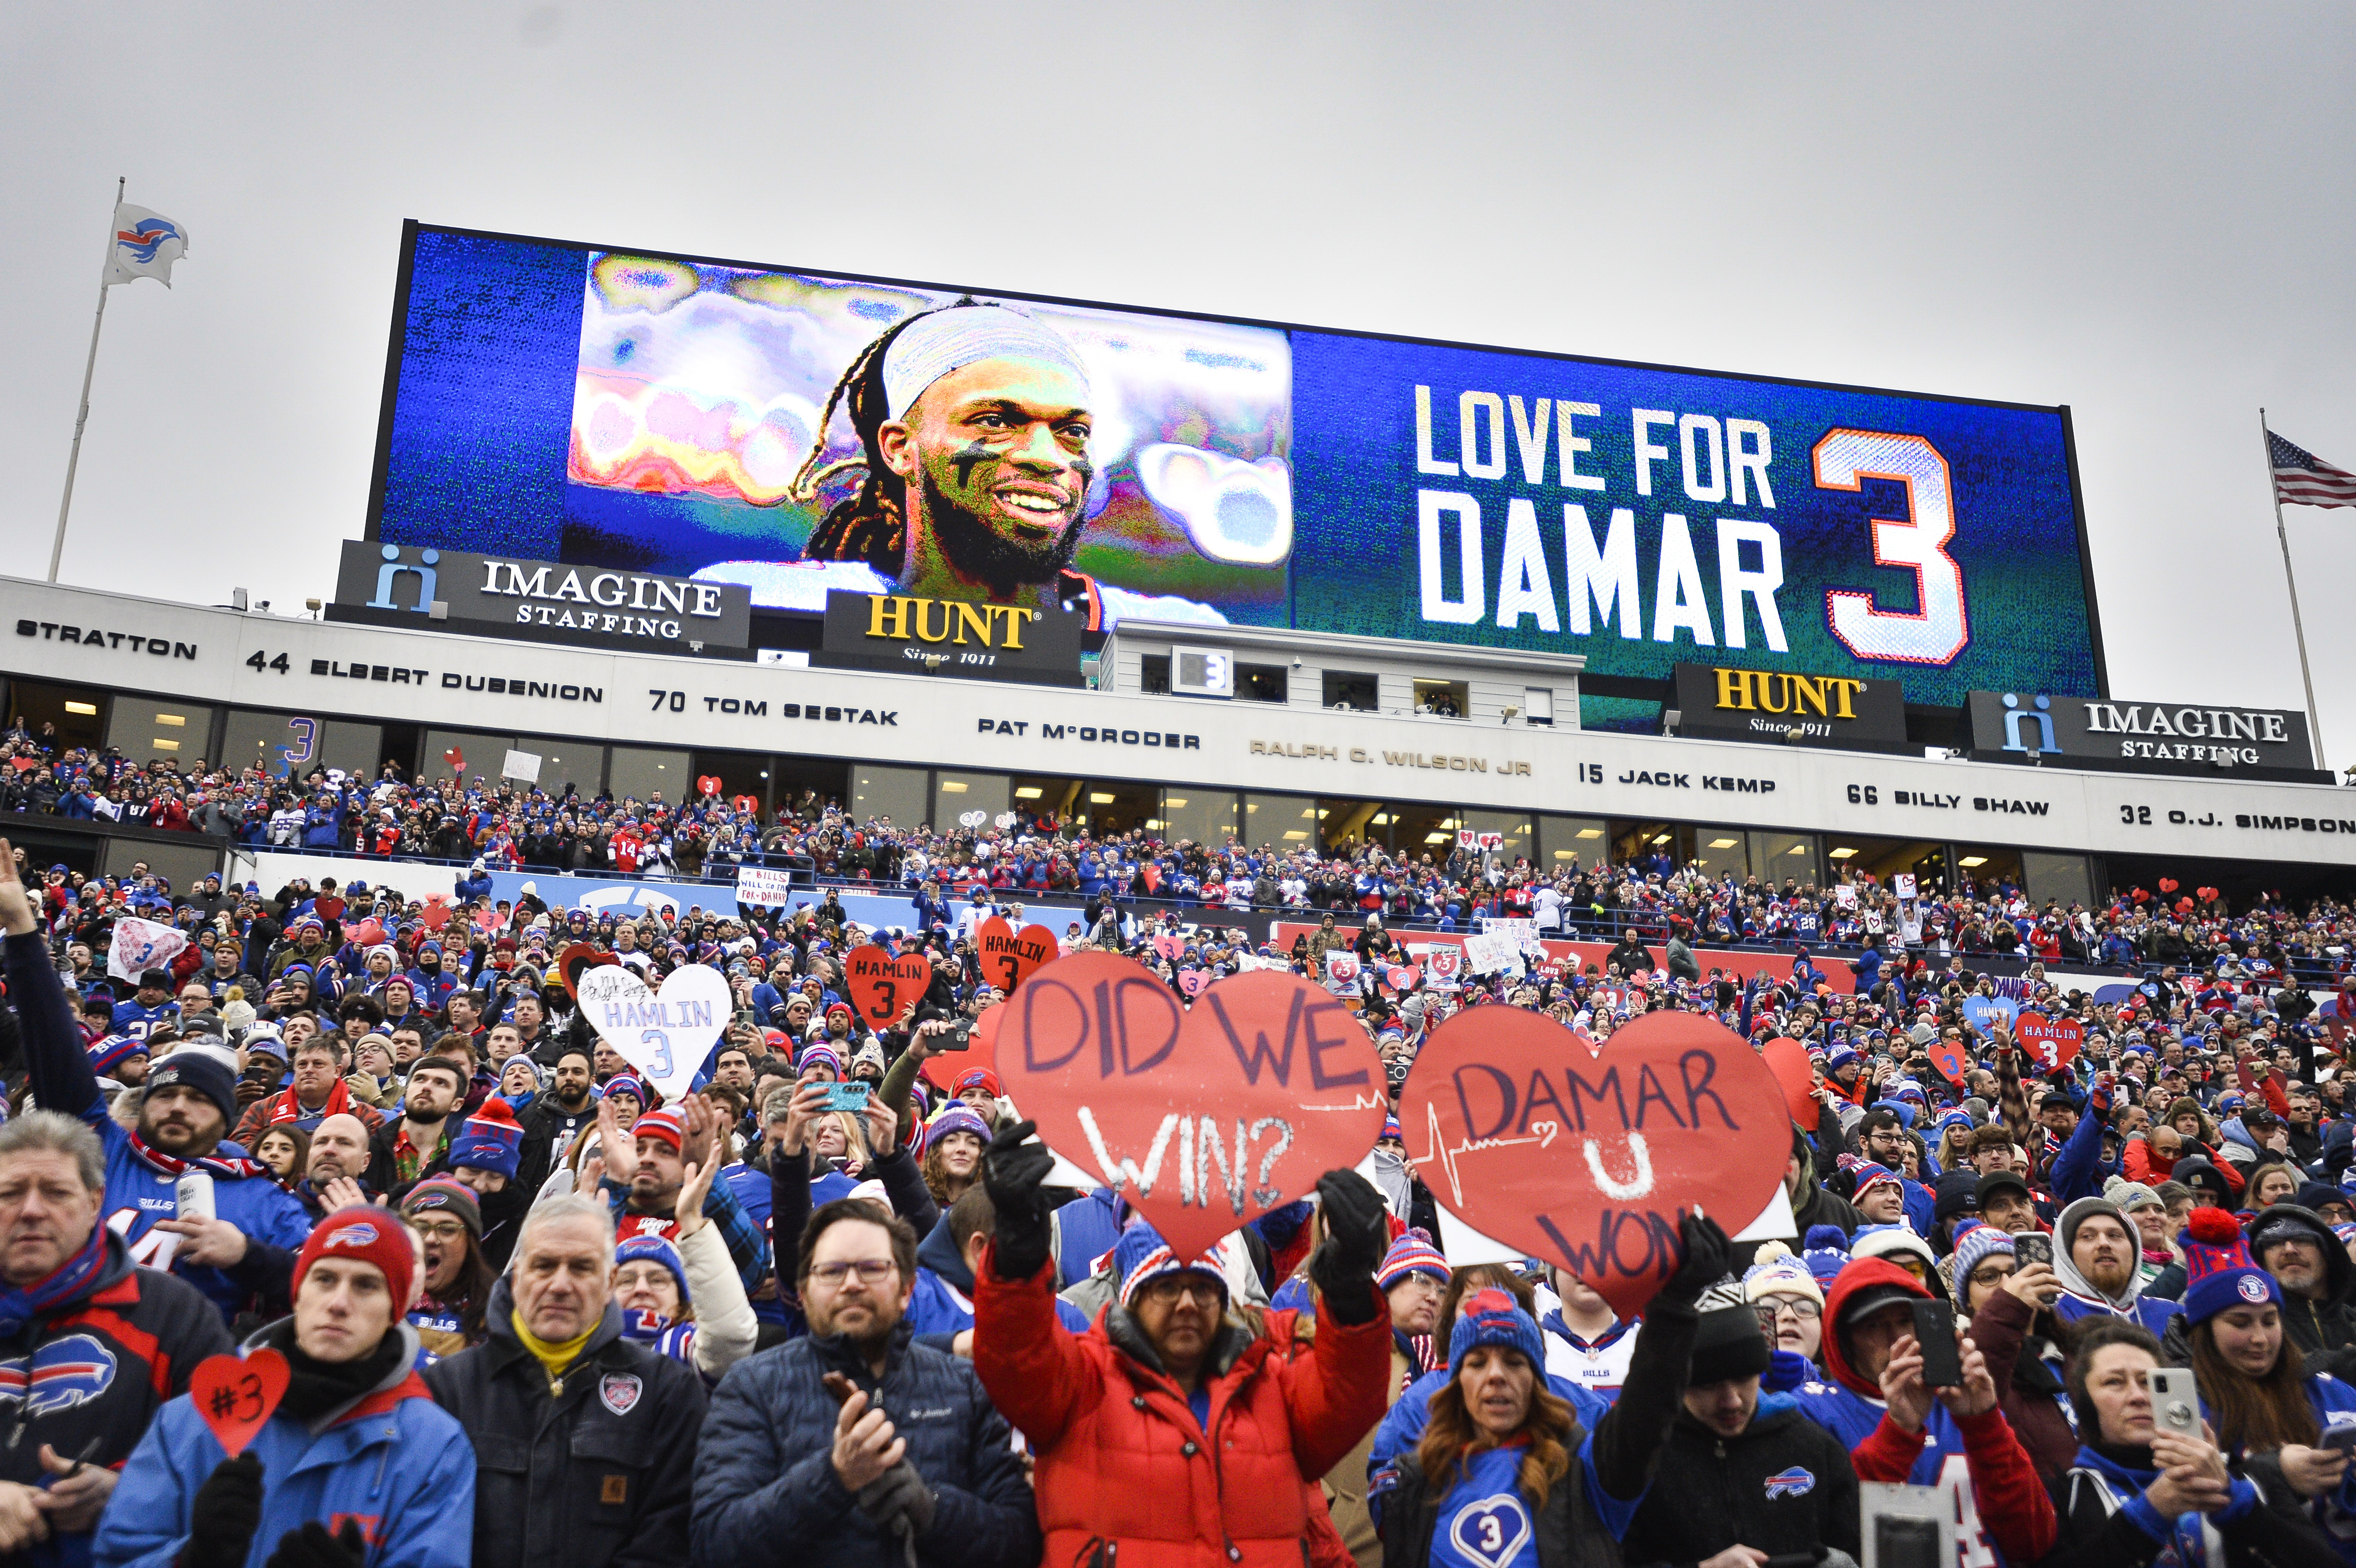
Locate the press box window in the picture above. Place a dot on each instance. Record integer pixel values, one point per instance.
(1202, 672)
(1350, 689)
(1262, 683)
(1538, 705)
(1441, 698)
(1154, 675)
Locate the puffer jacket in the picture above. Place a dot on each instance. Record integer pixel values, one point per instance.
(1126, 1473)
(764, 1473)
(1784, 1486)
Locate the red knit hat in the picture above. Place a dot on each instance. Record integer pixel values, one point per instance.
(665, 1125)
(369, 1235)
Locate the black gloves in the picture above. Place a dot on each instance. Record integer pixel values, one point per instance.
(225, 1514)
(1355, 1240)
(1708, 1253)
(1014, 1173)
(899, 1493)
(313, 1547)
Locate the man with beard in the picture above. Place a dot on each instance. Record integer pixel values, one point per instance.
(558, 1113)
(403, 1150)
(585, 1443)
(643, 1182)
(783, 1444)
(2295, 1245)
(973, 422)
(248, 1249)
(2096, 1258)
(448, 1317)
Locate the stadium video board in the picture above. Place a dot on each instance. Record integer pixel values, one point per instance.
(798, 434)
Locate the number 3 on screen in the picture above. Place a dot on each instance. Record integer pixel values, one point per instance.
(1939, 630)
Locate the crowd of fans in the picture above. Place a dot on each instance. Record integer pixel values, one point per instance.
(487, 1296)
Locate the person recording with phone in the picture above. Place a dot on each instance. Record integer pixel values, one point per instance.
(2139, 1485)
(242, 1252)
(2006, 1285)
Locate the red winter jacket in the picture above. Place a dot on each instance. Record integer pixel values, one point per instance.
(1122, 1458)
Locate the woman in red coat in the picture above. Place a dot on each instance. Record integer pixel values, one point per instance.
(1169, 1435)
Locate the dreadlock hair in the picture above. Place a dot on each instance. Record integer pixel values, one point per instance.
(872, 523)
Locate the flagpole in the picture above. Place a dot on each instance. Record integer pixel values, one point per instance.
(82, 417)
(2282, 537)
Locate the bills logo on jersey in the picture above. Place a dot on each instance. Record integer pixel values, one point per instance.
(1791, 1483)
(61, 1374)
(620, 1392)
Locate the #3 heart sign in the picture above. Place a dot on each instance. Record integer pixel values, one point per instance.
(880, 986)
(1009, 957)
(1169, 945)
(238, 1395)
(1590, 1159)
(2053, 1041)
(664, 1034)
(1194, 982)
(1205, 1117)
(1949, 1058)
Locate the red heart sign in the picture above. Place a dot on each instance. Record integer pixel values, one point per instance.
(982, 1051)
(573, 959)
(1342, 968)
(1193, 981)
(710, 783)
(2169, 884)
(1796, 1076)
(328, 906)
(1168, 946)
(881, 987)
(749, 805)
(367, 933)
(2207, 894)
(456, 758)
(1591, 1162)
(1008, 957)
(1204, 1118)
(25, 765)
(237, 1395)
(1402, 976)
(435, 915)
(2053, 1041)
(1949, 1058)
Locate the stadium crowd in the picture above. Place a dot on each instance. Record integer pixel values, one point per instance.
(525, 1311)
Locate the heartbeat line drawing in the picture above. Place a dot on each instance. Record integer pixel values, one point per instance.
(1357, 1103)
(1639, 1183)
(1448, 1157)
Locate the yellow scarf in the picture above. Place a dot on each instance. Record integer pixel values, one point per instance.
(554, 1357)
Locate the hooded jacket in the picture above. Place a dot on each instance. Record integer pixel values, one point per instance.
(2315, 1327)
(2105, 1522)
(1784, 1486)
(2001, 1505)
(2079, 1297)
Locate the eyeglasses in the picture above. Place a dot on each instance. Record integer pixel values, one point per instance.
(1992, 1275)
(1799, 1307)
(872, 1271)
(449, 1231)
(1170, 1286)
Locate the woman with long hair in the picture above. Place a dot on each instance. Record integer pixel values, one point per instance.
(2136, 1489)
(2256, 1390)
(953, 1144)
(286, 1148)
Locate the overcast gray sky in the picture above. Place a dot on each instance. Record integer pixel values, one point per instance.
(2145, 212)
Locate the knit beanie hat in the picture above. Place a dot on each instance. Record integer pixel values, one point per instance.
(110, 1051)
(1728, 1344)
(1778, 1272)
(1888, 1242)
(813, 1055)
(1957, 1193)
(2218, 1271)
(1824, 1252)
(665, 1125)
(1491, 1316)
(199, 1071)
(1411, 1254)
(1141, 1254)
(957, 1116)
(627, 1083)
(980, 1078)
(490, 1139)
(656, 1249)
(369, 1235)
(440, 1192)
(1974, 1242)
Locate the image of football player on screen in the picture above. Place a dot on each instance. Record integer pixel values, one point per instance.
(973, 424)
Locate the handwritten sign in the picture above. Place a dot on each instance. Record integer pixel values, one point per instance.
(237, 1395)
(880, 986)
(1985, 1013)
(664, 1034)
(2052, 1041)
(770, 887)
(1009, 957)
(576, 957)
(1589, 1156)
(140, 945)
(1204, 1118)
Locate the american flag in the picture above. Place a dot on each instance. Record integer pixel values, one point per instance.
(2303, 479)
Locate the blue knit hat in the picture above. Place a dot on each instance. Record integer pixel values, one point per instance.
(627, 1083)
(1975, 1239)
(1825, 1250)
(490, 1139)
(1141, 1254)
(2219, 1273)
(1842, 1056)
(957, 1116)
(111, 1051)
(655, 1249)
(1411, 1254)
(1491, 1316)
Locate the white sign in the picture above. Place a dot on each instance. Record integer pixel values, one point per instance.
(972, 818)
(520, 765)
(140, 945)
(1490, 954)
(664, 1034)
(1902, 884)
(764, 885)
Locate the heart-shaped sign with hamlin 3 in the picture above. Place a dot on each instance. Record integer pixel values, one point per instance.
(1206, 1117)
(942, 1072)
(237, 1395)
(1591, 1161)
(2053, 1041)
(1984, 1013)
(577, 957)
(1795, 1075)
(1008, 957)
(880, 986)
(664, 1034)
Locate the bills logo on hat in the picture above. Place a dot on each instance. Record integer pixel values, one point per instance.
(2252, 1289)
(360, 1234)
(1791, 1483)
(620, 1392)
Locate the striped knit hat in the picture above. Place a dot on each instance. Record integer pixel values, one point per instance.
(1411, 1254)
(1974, 1242)
(2217, 1266)
(627, 1083)
(1141, 1254)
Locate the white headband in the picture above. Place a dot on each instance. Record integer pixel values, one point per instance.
(935, 344)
